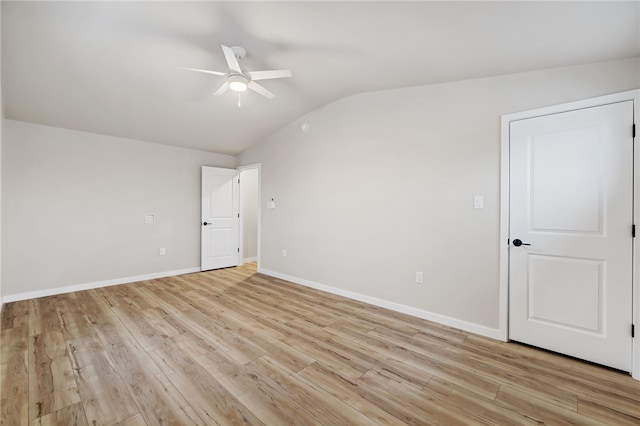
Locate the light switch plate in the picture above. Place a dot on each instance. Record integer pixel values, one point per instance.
(149, 218)
(478, 202)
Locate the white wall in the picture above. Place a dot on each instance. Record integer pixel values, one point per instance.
(249, 213)
(382, 186)
(74, 204)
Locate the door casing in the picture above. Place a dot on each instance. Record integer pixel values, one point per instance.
(633, 95)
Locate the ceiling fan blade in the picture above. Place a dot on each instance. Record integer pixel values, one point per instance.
(232, 61)
(222, 89)
(266, 75)
(261, 90)
(204, 71)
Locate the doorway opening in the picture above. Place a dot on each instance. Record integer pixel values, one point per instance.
(250, 214)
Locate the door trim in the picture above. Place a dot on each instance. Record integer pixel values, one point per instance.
(240, 169)
(633, 95)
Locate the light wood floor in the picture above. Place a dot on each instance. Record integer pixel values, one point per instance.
(235, 347)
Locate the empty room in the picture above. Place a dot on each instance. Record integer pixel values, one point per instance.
(319, 213)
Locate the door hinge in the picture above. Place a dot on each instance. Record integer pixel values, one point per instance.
(238, 215)
(633, 330)
(238, 249)
(239, 179)
(634, 130)
(633, 231)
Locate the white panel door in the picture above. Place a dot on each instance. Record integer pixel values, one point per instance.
(220, 212)
(570, 254)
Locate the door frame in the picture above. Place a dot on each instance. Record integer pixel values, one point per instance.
(240, 169)
(633, 95)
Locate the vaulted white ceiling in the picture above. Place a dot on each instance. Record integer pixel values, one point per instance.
(113, 67)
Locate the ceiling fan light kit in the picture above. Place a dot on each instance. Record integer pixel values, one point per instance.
(238, 83)
(238, 80)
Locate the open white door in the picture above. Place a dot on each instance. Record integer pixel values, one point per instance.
(571, 215)
(220, 211)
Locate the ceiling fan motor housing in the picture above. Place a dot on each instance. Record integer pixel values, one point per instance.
(240, 52)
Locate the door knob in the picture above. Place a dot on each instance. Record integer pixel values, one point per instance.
(519, 243)
(206, 223)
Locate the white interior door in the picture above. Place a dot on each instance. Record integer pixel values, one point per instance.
(571, 207)
(220, 211)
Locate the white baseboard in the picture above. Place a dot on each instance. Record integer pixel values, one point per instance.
(492, 333)
(249, 259)
(88, 286)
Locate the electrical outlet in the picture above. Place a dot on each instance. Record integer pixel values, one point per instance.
(284, 252)
(162, 251)
(419, 277)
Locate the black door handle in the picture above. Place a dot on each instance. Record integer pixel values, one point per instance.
(519, 243)
(205, 224)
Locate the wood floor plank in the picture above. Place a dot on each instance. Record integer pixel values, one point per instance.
(393, 405)
(483, 386)
(321, 405)
(235, 347)
(93, 316)
(139, 327)
(347, 391)
(498, 372)
(355, 354)
(549, 362)
(416, 377)
(211, 400)
(271, 407)
(262, 320)
(211, 325)
(43, 315)
(607, 415)
(266, 340)
(240, 349)
(15, 314)
(52, 385)
(136, 420)
(469, 401)
(14, 376)
(70, 415)
(560, 372)
(541, 411)
(157, 399)
(104, 395)
(437, 411)
(331, 357)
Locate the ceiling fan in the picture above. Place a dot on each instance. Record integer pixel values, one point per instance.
(238, 80)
